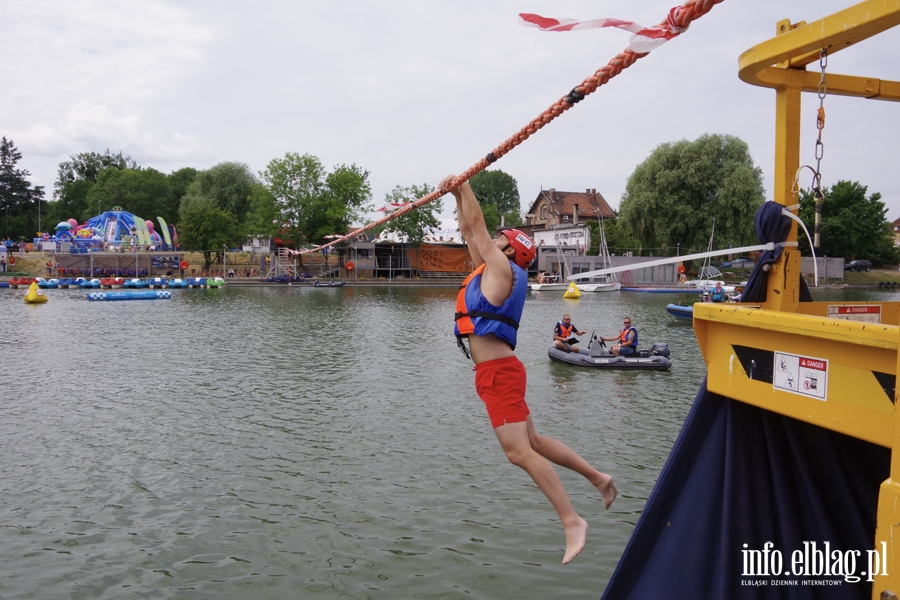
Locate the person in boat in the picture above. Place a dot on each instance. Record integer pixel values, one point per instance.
(562, 335)
(627, 338)
(488, 309)
(718, 294)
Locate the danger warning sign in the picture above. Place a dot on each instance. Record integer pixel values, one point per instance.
(802, 375)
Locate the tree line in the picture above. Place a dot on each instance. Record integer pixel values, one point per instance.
(295, 198)
(673, 197)
(671, 200)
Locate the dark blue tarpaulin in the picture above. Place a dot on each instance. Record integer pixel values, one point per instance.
(738, 474)
(771, 225)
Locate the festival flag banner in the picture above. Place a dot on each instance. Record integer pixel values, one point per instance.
(435, 257)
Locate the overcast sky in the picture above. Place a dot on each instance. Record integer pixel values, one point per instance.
(412, 91)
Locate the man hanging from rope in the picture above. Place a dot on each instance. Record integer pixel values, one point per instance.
(489, 306)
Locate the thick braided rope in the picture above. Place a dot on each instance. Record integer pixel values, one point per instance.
(682, 18)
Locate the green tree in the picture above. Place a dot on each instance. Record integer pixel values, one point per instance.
(208, 230)
(502, 190)
(296, 182)
(494, 219)
(144, 192)
(618, 238)
(313, 202)
(74, 180)
(346, 195)
(674, 195)
(227, 186)
(513, 219)
(496, 187)
(72, 202)
(491, 216)
(853, 225)
(19, 202)
(264, 217)
(87, 166)
(415, 224)
(179, 181)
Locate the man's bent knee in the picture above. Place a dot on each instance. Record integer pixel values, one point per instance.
(516, 456)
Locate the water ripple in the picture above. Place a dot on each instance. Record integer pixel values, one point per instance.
(294, 442)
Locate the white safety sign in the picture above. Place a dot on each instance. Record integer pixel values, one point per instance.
(866, 313)
(802, 375)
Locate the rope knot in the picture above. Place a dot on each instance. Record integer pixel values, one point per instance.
(574, 97)
(672, 21)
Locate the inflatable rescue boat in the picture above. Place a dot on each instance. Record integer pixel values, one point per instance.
(598, 356)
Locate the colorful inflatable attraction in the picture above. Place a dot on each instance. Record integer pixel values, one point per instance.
(114, 230)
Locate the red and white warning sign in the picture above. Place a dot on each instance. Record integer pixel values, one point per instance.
(867, 313)
(802, 375)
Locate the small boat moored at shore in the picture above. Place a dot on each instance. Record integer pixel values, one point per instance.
(112, 282)
(613, 286)
(17, 282)
(135, 284)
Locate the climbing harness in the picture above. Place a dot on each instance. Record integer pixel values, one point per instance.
(677, 20)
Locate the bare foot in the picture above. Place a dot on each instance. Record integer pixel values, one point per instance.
(608, 490)
(575, 537)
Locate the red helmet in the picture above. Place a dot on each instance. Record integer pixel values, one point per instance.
(523, 245)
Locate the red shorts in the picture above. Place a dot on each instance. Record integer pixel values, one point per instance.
(500, 383)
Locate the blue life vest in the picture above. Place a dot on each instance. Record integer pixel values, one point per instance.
(623, 337)
(474, 314)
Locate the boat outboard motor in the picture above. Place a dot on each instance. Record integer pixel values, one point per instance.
(660, 349)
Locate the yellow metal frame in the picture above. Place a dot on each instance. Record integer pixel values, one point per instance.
(861, 357)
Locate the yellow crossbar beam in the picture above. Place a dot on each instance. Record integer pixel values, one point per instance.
(776, 63)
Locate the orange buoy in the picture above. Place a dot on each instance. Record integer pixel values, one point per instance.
(681, 269)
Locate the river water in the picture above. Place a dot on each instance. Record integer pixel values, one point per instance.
(279, 442)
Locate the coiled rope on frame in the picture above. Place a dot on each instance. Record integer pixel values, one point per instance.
(678, 20)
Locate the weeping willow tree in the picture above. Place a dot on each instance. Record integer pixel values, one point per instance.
(675, 194)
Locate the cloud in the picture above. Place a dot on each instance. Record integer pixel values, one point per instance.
(410, 91)
(94, 127)
(40, 139)
(121, 51)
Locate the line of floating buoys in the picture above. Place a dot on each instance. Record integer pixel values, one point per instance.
(887, 284)
(143, 295)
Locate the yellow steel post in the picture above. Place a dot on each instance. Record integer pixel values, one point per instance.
(858, 401)
(887, 527)
(783, 282)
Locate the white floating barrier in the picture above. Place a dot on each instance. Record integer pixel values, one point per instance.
(146, 295)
